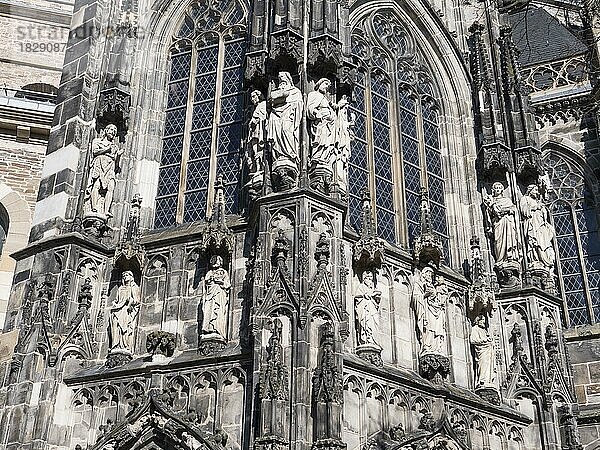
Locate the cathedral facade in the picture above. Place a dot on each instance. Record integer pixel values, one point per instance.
(314, 224)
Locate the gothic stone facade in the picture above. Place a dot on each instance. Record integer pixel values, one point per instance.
(311, 224)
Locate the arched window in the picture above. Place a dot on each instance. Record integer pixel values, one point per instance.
(3, 227)
(396, 151)
(203, 123)
(578, 239)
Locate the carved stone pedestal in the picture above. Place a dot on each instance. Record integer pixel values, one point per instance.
(370, 353)
(95, 224)
(321, 177)
(211, 343)
(329, 444)
(508, 274)
(285, 174)
(489, 394)
(118, 357)
(160, 345)
(540, 277)
(270, 442)
(435, 368)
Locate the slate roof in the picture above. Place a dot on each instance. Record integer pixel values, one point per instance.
(542, 38)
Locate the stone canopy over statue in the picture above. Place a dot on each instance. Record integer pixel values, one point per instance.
(123, 316)
(100, 189)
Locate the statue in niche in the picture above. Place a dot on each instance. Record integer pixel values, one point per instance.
(366, 302)
(215, 298)
(321, 113)
(502, 214)
(256, 135)
(123, 314)
(100, 189)
(283, 129)
(539, 233)
(429, 301)
(484, 354)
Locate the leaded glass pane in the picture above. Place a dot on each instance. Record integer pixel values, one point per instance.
(197, 174)
(178, 94)
(205, 87)
(180, 66)
(202, 115)
(171, 150)
(231, 109)
(207, 60)
(234, 53)
(166, 209)
(175, 121)
(200, 144)
(195, 206)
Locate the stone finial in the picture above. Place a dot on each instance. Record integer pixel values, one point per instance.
(218, 238)
(368, 250)
(129, 254)
(428, 246)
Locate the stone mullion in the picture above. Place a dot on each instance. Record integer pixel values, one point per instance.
(370, 146)
(212, 174)
(398, 160)
(187, 136)
(421, 142)
(581, 258)
(396, 151)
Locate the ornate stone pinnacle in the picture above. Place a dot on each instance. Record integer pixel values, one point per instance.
(129, 254)
(428, 246)
(218, 238)
(368, 250)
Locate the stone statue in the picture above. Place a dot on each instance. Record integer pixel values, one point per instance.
(343, 138)
(100, 189)
(123, 314)
(256, 134)
(366, 303)
(215, 299)
(429, 302)
(539, 233)
(322, 117)
(484, 354)
(502, 215)
(283, 129)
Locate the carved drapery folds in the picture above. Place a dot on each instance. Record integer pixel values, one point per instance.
(122, 321)
(429, 300)
(502, 216)
(216, 248)
(485, 360)
(283, 131)
(105, 156)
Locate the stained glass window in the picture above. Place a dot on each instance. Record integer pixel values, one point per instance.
(397, 149)
(577, 239)
(203, 125)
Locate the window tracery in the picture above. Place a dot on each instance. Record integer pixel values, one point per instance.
(390, 69)
(203, 122)
(577, 238)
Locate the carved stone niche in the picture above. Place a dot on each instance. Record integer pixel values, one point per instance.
(496, 161)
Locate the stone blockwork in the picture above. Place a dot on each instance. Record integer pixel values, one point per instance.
(189, 284)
